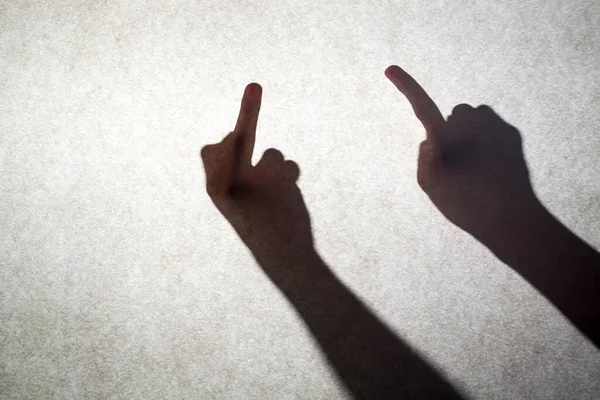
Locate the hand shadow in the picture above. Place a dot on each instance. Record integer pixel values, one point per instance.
(473, 169)
(264, 205)
(269, 215)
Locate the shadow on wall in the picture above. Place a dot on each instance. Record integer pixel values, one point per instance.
(472, 167)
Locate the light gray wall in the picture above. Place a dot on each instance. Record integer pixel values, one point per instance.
(119, 278)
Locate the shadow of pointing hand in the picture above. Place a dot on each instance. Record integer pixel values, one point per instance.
(473, 169)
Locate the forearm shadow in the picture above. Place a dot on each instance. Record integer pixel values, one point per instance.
(507, 217)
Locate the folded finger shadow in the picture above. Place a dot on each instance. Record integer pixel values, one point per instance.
(274, 164)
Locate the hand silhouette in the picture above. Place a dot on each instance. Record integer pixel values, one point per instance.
(263, 203)
(472, 168)
(471, 165)
(265, 206)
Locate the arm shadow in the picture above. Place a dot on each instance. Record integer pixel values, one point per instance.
(484, 188)
(368, 358)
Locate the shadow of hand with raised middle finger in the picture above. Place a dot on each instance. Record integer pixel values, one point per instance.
(473, 169)
(264, 205)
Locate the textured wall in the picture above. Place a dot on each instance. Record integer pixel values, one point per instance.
(119, 278)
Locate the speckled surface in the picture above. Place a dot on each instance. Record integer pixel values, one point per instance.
(120, 280)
